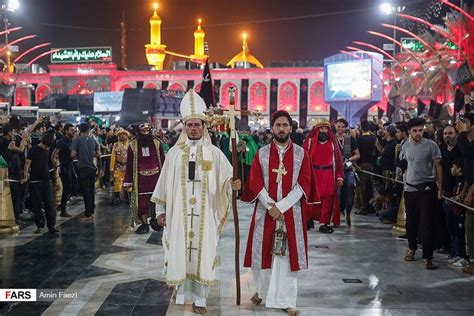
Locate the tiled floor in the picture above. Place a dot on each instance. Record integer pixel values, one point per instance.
(116, 272)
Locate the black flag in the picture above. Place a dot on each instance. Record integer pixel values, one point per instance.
(421, 107)
(435, 109)
(458, 101)
(390, 109)
(380, 112)
(207, 92)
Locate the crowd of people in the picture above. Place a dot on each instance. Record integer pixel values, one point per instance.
(376, 168)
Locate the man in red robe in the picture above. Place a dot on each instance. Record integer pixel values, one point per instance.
(145, 157)
(327, 166)
(280, 184)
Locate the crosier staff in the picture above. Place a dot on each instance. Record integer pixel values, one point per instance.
(216, 115)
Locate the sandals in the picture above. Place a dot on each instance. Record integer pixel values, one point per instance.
(410, 255)
(325, 229)
(292, 311)
(199, 309)
(255, 299)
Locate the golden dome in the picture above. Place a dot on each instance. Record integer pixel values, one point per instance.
(244, 55)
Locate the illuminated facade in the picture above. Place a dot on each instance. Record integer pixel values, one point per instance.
(297, 90)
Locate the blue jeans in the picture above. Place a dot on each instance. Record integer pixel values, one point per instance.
(346, 192)
(456, 229)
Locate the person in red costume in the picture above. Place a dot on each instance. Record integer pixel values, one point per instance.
(328, 170)
(280, 183)
(145, 157)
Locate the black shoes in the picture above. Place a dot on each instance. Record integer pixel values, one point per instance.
(143, 229)
(154, 224)
(325, 229)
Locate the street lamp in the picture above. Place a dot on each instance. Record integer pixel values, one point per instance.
(10, 6)
(13, 5)
(389, 9)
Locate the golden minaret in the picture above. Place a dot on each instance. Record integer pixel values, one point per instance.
(155, 51)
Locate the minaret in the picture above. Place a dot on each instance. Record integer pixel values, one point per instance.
(155, 27)
(155, 51)
(199, 55)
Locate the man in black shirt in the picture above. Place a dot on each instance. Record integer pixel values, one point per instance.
(295, 136)
(350, 154)
(366, 144)
(10, 149)
(466, 147)
(67, 172)
(40, 184)
(387, 165)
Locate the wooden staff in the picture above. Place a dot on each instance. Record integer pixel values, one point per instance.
(233, 138)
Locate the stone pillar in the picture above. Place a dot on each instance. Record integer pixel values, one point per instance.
(399, 228)
(7, 217)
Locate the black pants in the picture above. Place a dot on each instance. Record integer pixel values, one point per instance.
(15, 189)
(86, 178)
(69, 179)
(365, 185)
(420, 208)
(42, 195)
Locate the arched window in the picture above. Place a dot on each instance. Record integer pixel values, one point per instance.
(259, 97)
(22, 97)
(125, 86)
(225, 97)
(176, 87)
(316, 98)
(42, 92)
(197, 87)
(288, 97)
(151, 85)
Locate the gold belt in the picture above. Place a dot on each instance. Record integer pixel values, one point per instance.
(149, 172)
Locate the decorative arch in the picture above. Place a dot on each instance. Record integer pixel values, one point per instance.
(197, 87)
(225, 97)
(316, 98)
(288, 97)
(177, 87)
(259, 97)
(125, 86)
(80, 88)
(151, 85)
(22, 96)
(42, 92)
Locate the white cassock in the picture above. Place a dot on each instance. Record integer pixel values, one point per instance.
(278, 286)
(196, 211)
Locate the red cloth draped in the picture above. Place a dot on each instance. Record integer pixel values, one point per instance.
(325, 179)
(253, 187)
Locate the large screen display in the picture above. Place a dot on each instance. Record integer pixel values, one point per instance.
(350, 80)
(108, 101)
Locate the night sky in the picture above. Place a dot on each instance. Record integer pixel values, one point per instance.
(329, 25)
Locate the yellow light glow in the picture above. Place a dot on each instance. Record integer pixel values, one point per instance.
(156, 6)
(244, 35)
(9, 53)
(199, 21)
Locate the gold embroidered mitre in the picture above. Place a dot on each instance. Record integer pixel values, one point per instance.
(192, 106)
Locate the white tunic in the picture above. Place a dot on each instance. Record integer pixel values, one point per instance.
(278, 286)
(196, 211)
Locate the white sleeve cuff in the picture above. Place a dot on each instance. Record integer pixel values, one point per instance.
(291, 199)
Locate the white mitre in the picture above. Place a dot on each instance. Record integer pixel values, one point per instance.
(192, 106)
